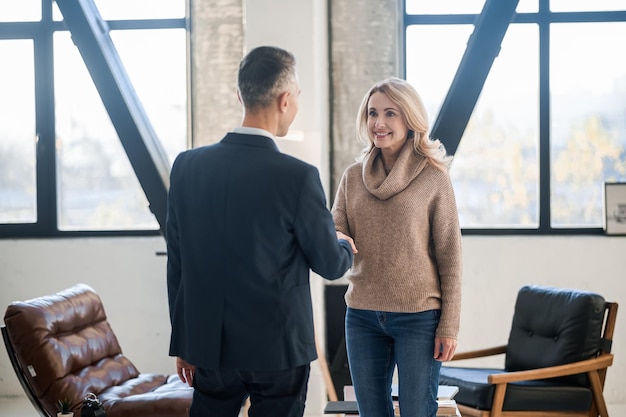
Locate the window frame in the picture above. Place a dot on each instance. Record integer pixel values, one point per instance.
(543, 18)
(42, 33)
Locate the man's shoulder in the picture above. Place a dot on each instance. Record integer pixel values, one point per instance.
(296, 162)
(198, 149)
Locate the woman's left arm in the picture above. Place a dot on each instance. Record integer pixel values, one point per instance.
(446, 235)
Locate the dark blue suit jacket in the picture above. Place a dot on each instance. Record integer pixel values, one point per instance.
(245, 224)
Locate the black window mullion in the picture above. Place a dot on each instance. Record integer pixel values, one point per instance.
(146, 24)
(544, 118)
(45, 120)
(581, 17)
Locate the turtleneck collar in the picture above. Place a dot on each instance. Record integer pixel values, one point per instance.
(406, 168)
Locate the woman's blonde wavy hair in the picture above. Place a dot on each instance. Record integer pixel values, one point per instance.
(404, 95)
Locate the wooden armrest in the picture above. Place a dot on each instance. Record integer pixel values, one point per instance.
(594, 364)
(479, 353)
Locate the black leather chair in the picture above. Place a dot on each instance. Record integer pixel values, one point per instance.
(555, 360)
(61, 346)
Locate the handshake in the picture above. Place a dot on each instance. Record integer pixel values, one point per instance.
(349, 239)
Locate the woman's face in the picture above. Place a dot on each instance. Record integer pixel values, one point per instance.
(385, 123)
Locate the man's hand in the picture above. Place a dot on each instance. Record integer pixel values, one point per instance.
(349, 239)
(444, 348)
(185, 371)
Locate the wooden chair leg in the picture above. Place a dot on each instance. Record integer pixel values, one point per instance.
(596, 388)
(498, 400)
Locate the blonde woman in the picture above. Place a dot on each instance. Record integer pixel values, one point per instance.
(404, 293)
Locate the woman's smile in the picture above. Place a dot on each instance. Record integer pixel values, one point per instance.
(386, 123)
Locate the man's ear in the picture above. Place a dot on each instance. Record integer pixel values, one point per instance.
(239, 96)
(283, 101)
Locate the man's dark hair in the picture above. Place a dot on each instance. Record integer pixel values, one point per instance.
(264, 73)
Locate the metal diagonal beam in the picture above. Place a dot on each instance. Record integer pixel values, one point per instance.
(482, 49)
(90, 34)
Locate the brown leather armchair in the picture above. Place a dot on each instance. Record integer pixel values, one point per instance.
(62, 346)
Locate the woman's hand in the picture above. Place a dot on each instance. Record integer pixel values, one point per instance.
(349, 239)
(444, 348)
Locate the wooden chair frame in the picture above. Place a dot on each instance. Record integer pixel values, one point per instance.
(595, 369)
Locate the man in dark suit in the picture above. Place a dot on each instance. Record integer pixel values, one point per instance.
(245, 225)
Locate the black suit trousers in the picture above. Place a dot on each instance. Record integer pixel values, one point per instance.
(221, 393)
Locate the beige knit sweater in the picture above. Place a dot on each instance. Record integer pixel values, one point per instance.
(406, 229)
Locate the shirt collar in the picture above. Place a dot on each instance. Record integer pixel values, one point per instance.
(245, 130)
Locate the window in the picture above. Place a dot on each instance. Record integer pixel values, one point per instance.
(549, 126)
(63, 169)
(588, 119)
(17, 124)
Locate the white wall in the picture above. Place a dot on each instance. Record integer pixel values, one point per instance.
(125, 272)
(131, 282)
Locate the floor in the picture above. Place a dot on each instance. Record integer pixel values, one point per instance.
(16, 406)
(21, 407)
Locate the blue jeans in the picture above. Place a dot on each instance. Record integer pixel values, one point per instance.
(221, 393)
(376, 342)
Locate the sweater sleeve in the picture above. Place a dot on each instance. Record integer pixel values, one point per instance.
(340, 215)
(446, 234)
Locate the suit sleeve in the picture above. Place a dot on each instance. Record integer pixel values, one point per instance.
(315, 231)
(173, 249)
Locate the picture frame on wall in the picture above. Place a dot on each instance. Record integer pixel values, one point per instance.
(615, 208)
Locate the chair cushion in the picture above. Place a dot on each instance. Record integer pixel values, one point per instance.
(553, 327)
(148, 395)
(544, 395)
